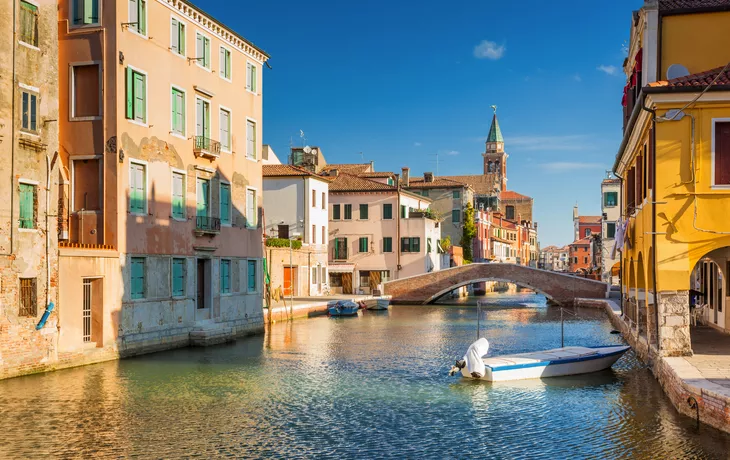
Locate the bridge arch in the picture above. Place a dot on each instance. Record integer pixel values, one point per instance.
(559, 287)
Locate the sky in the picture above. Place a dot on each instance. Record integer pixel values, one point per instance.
(402, 81)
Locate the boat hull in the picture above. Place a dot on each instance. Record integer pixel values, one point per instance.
(377, 304)
(603, 358)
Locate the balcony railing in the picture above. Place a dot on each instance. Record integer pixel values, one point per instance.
(204, 224)
(206, 147)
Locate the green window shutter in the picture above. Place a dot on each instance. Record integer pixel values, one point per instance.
(137, 278)
(387, 244)
(415, 244)
(174, 36)
(206, 52)
(363, 211)
(203, 197)
(181, 37)
(139, 97)
(27, 207)
(206, 120)
(404, 244)
(91, 11)
(335, 212)
(173, 115)
(363, 244)
(251, 275)
(178, 197)
(137, 189)
(225, 203)
(228, 64)
(178, 277)
(456, 194)
(222, 61)
(130, 93)
(387, 211)
(142, 17)
(225, 276)
(253, 78)
(199, 47)
(348, 212)
(456, 216)
(402, 211)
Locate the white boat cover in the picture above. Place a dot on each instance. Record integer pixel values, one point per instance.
(473, 357)
(541, 356)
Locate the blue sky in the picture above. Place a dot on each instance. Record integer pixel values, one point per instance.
(403, 80)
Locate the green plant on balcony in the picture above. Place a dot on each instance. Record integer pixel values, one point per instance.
(283, 243)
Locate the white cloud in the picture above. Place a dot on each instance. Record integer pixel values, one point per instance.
(608, 69)
(452, 153)
(489, 50)
(567, 166)
(577, 78)
(417, 144)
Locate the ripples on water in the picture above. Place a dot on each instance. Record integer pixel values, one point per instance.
(366, 387)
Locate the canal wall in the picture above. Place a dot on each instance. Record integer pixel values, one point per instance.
(688, 390)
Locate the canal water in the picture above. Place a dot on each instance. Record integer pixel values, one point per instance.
(368, 387)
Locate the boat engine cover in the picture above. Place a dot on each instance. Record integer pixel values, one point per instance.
(474, 362)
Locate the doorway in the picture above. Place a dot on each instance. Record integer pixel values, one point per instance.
(92, 317)
(202, 293)
(289, 281)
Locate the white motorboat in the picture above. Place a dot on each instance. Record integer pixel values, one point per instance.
(377, 303)
(540, 364)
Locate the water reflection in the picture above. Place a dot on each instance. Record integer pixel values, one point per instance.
(372, 386)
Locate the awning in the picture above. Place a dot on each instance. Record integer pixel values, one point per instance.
(341, 268)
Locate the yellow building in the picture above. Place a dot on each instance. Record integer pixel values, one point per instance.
(674, 162)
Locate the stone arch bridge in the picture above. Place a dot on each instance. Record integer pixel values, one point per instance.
(559, 287)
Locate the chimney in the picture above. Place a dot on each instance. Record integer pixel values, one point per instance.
(428, 177)
(372, 165)
(406, 171)
(334, 172)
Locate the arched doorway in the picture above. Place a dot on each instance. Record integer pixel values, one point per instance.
(641, 297)
(709, 289)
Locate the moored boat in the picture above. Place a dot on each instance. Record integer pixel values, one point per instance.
(539, 364)
(377, 303)
(343, 308)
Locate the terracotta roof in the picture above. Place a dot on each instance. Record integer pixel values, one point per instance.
(376, 175)
(349, 183)
(611, 181)
(284, 170)
(590, 219)
(350, 168)
(581, 242)
(511, 195)
(668, 5)
(483, 184)
(438, 182)
(696, 80)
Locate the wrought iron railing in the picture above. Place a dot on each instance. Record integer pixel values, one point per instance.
(207, 145)
(207, 224)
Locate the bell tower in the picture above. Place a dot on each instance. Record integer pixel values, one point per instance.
(495, 158)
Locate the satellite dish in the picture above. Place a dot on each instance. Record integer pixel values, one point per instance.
(676, 71)
(307, 149)
(314, 151)
(674, 115)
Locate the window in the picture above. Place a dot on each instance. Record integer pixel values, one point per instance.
(28, 303)
(178, 195)
(225, 63)
(314, 198)
(252, 276)
(428, 245)
(324, 235)
(365, 278)
(456, 216)
(424, 193)
(721, 154)
(387, 211)
(324, 201)
(29, 121)
(363, 212)
(610, 199)
(28, 23)
(341, 248)
(85, 91)
(403, 211)
(610, 229)
(137, 278)
(456, 194)
(410, 244)
(138, 16)
(387, 244)
(335, 212)
(177, 37)
(178, 277)
(251, 77)
(390, 181)
(85, 12)
(588, 232)
(28, 205)
(225, 129)
(225, 201)
(85, 184)
(251, 139)
(178, 111)
(314, 234)
(363, 244)
(314, 275)
(202, 118)
(585, 260)
(283, 231)
(136, 95)
(348, 212)
(251, 220)
(137, 188)
(510, 212)
(203, 201)
(202, 50)
(225, 276)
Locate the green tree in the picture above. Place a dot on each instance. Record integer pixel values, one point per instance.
(470, 231)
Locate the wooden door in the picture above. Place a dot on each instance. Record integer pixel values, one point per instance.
(288, 280)
(200, 285)
(374, 279)
(347, 283)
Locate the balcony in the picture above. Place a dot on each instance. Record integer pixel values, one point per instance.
(206, 148)
(209, 225)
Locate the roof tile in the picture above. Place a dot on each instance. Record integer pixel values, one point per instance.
(668, 5)
(698, 80)
(284, 170)
(345, 182)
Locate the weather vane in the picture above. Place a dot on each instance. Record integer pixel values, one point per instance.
(494, 107)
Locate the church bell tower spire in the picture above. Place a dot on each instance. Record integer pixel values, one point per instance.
(495, 158)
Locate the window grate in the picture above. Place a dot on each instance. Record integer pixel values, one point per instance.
(86, 313)
(28, 305)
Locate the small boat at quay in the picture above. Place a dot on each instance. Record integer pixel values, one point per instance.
(536, 365)
(342, 308)
(377, 303)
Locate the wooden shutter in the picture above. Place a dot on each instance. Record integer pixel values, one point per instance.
(203, 194)
(130, 93)
(178, 202)
(181, 37)
(415, 244)
(228, 64)
(225, 203)
(206, 52)
(134, 14)
(347, 283)
(199, 46)
(142, 17)
(178, 285)
(175, 36)
(722, 153)
(91, 11)
(225, 129)
(251, 139)
(335, 212)
(27, 207)
(363, 211)
(251, 275)
(206, 120)
(248, 76)
(137, 278)
(33, 108)
(137, 195)
(374, 279)
(253, 78)
(638, 177)
(139, 97)
(199, 117)
(222, 62)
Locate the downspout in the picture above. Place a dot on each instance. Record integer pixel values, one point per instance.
(12, 138)
(653, 219)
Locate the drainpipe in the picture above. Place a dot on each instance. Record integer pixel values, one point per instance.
(12, 138)
(653, 220)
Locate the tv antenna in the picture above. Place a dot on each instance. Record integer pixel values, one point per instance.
(362, 156)
(437, 162)
(304, 139)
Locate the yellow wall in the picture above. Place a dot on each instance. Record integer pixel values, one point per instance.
(697, 41)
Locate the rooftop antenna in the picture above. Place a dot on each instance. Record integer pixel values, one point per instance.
(362, 157)
(437, 162)
(304, 139)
